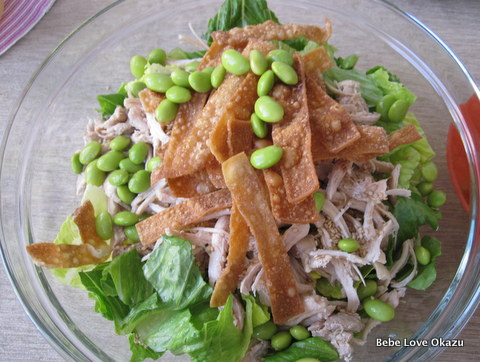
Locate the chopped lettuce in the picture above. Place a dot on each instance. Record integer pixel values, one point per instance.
(313, 347)
(239, 13)
(141, 352)
(381, 78)
(178, 53)
(108, 103)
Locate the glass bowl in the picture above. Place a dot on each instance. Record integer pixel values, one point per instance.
(38, 189)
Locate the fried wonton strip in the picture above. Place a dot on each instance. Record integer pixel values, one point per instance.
(270, 30)
(294, 136)
(191, 185)
(184, 214)
(183, 127)
(373, 142)
(240, 136)
(150, 99)
(316, 62)
(248, 195)
(302, 213)
(237, 252)
(403, 136)
(331, 125)
(214, 171)
(94, 249)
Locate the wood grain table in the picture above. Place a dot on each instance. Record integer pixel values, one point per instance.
(455, 21)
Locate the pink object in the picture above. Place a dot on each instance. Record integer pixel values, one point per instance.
(18, 18)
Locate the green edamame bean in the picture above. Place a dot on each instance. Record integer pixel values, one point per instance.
(104, 225)
(119, 143)
(234, 62)
(423, 255)
(378, 310)
(429, 171)
(89, 152)
(94, 176)
(76, 165)
(307, 359)
(157, 56)
(166, 111)
(268, 109)
(299, 332)
(384, 105)
(110, 161)
(131, 233)
(265, 331)
(139, 182)
(208, 70)
(259, 127)
(319, 198)
(258, 62)
(158, 82)
(127, 165)
(180, 77)
(281, 340)
(266, 157)
(217, 76)
(285, 73)
(137, 65)
(200, 81)
(314, 275)
(125, 195)
(398, 111)
(349, 245)
(265, 83)
(192, 66)
(153, 163)
(136, 87)
(125, 218)
(177, 94)
(425, 188)
(280, 55)
(138, 152)
(367, 290)
(118, 177)
(437, 198)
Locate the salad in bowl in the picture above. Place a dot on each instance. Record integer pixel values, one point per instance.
(259, 198)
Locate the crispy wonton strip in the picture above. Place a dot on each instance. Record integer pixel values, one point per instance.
(184, 214)
(94, 249)
(403, 136)
(302, 213)
(331, 125)
(270, 30)
(183, 127)
(248, 195)
(214, 171)
(237, 252)
(240, 136)
(192, 185)
(294, 136)
(373, 142)
(316, 62)
(150, 99)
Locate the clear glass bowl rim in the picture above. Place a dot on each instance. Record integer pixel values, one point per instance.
(462, 306)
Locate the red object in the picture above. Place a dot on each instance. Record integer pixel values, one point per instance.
(456, 156)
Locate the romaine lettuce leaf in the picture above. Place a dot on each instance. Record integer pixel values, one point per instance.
(381, 78)
(313, 347)
(141, 352)
(239, 13)
(174, 274)
(108, 103)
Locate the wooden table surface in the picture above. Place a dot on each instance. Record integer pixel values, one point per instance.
(455, 21)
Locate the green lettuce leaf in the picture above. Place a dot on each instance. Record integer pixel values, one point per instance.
(174, 274)
(239, 13)
(141, 352)
(381, 78)
(368, 89)
(411, 213)
(313, 347)
(108, 103)
(178, 53)
(427, 273)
